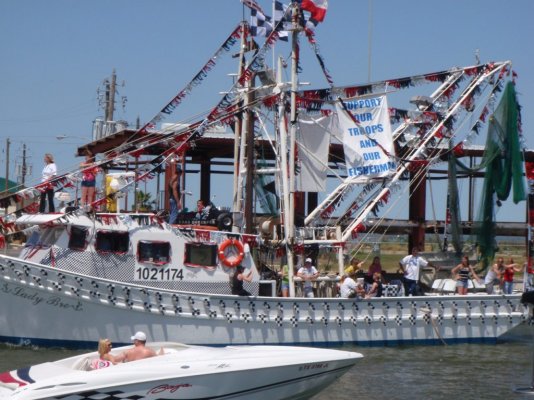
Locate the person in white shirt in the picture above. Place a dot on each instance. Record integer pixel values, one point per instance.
(49, 172)
(347, 290)
(411, 266)
(308, 273)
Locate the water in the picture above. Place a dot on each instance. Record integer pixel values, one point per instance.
(466, 371)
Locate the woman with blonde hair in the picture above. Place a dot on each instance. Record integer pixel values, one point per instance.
(49, 171)
(377, 288)
(104, 351)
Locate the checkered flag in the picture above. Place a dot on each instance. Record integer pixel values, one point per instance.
(262, 24)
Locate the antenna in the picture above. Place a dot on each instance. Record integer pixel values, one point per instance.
(23, 169)
(106, 96)
(477, 56)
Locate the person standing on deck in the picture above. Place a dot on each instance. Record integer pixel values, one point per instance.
(494, 276)
(411, 266)
(88, 180)
(308, 273)
(462, 272)
(175, 199)
(49, 172)
(284, 278)
(238, 279)
(508, 276)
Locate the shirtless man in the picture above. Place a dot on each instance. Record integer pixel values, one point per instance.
(139, 351)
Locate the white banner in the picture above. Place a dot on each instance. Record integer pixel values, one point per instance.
(313, 145)
(366, 144)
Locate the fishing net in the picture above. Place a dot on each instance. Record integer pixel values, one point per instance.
(453, 206)
(503, 163)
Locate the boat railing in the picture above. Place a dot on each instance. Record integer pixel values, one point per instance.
(58, 288)
(328, 287)
(318, 233)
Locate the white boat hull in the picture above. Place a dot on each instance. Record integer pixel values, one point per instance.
(34, 309)
(259, 372)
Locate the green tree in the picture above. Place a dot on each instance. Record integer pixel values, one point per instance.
(144, 201)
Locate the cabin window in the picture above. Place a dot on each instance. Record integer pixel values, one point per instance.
(158, 253)
(112, 242)
(78, 238)
(200, 255)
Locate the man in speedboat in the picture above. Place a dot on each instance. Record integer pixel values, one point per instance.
(139, 351)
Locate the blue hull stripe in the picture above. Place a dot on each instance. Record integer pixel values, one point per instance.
(91, 345)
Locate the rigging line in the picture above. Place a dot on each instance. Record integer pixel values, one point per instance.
(362, 197)
(264, 129)
(200, 129)
(484, 100)
(433, 210)
(165, 137)
(169, 133)
(189, 87)
(381, 219)
(148, 138)
(452, 110)
(438, 93)
(390, 206)
(418, 174)
(69, 175)
(428, 78)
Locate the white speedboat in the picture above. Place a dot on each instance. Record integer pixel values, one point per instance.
(185, 372)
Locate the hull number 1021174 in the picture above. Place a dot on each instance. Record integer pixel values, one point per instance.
(158, 274)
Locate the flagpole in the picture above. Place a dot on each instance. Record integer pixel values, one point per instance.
(370, 37)
(274, 23)
(289, 222)
(237, 186)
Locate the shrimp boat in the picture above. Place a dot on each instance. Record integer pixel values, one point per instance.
(185, 372)
(86, 275)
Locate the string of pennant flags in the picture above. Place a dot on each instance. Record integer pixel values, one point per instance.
(223, 113)
(70, 179)
(319, 96)
(197, 80)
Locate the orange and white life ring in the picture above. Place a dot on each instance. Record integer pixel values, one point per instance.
(233, 259)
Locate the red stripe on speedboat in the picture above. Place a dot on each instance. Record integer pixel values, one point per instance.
(6, 377)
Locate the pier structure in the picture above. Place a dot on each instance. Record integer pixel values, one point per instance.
(217, 150)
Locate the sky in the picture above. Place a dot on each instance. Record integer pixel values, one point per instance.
(56, 54)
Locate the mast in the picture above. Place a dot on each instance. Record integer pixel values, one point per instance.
(110, 96)
(282, 140)
(293, 126)
(249, 154)
(237, 187)
(289, 169)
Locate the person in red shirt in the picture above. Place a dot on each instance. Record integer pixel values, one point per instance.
(89, 171)
(508, 276)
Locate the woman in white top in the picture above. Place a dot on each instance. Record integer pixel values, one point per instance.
(49, 172)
